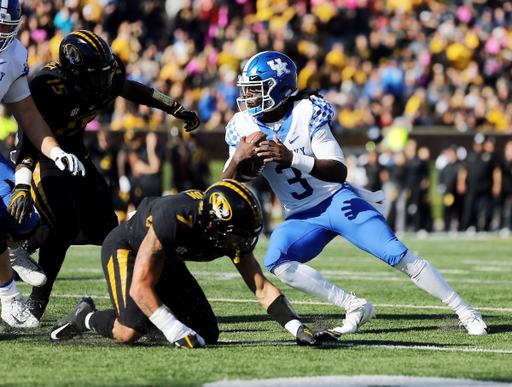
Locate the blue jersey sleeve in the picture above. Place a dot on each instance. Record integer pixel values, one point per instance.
(232, 136)
(322, 114)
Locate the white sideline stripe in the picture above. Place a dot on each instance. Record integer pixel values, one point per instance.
(345, 275)
(381, 276)
(293, 343)
(334, 344)
(357, 381)
(298, 302)
(487, 263)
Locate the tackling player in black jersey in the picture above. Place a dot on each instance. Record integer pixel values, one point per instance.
(143, 263)
(69, 93)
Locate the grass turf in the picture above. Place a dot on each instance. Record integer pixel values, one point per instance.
(413, 333)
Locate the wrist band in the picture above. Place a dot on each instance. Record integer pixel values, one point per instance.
(163, 102)
(303, 163)
(282, 311)
(23, 176)
(171, 327)
(161, 318)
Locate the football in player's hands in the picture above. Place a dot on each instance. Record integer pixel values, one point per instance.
(252, 168)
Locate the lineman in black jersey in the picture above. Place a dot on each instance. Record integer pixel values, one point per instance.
(70, 93)
(143, 263)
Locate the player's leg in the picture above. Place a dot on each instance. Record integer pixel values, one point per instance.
(95, 205)
(180, 292)
(26, 268)
(295, 242)
(363, 226)
(14, 310)
(125, 321)
(55, 204)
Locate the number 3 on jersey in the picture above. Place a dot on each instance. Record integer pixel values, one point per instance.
(308, 190)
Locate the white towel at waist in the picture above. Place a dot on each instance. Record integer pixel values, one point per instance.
(371, 197)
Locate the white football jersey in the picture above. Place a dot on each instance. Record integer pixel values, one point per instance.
(13, 66)
(296, 190)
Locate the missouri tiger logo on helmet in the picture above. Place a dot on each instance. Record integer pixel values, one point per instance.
(220, 206)
(230, 216)
(88, 64)
(73, 55)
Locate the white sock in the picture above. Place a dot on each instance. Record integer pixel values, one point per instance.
(87, 319)
(9, 290)
(13, 251)
(427, 278)
(309, 281)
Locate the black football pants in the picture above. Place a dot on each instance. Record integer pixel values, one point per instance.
(177, 289)
(67, 205)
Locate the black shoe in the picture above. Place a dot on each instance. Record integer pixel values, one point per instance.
(74, 323)
(16, 276)
(189, 342)
(37, 306)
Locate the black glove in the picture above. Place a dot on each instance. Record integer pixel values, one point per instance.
(190, 341)
(20, 204)
(306, 337)
(326, 335)
(188, 116)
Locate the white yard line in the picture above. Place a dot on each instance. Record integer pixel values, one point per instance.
(350, 345)
(357, 381)
(298, 302)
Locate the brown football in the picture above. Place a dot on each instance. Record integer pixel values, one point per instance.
(252, 168)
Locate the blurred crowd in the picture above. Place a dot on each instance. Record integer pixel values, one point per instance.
(386, 66)
(134, 163)
(434, 63)
(473, 187)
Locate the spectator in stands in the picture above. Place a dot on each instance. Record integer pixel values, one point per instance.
(146, 167)
(505, 202)
(447, 187)
(481, 174)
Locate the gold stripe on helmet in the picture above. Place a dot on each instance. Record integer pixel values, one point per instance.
(94, 40)
(240, 189)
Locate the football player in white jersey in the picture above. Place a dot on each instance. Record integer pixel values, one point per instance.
(306, 169)
(15, 94)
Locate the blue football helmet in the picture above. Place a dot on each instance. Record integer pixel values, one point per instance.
(268, 79)
(10, 15)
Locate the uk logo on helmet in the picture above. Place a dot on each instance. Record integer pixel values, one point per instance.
(73, 55)
(220, 206)
(279, 66)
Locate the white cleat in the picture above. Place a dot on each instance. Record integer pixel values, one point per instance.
(27, 268)
(16, 314)
(474, 324)
(359, 312)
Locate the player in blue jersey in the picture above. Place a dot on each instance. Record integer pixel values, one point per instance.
(306, 169)
(15, 94)
(12, 235)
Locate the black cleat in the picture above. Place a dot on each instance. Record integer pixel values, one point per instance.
(73, 324)
(190, 341)
(37, 306)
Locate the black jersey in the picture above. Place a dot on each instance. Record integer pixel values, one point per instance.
(64, 109)
(175, 221)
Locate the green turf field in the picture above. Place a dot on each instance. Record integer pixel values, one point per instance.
(412, 335)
